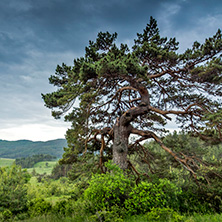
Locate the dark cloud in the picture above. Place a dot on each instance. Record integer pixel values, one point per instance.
(35, 36)
(191, 12)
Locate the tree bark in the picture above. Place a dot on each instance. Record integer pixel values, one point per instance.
(120, 144)
(122, 128)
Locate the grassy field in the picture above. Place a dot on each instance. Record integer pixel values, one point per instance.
(195, 218)
(40, 167)
(6, 162)
(43, 167)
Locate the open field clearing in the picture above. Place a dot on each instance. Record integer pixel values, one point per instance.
(6, 162)
(43, 167)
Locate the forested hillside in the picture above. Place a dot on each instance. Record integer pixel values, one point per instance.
(25, 148)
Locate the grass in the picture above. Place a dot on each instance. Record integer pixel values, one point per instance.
(40, 167)
(43, 167)
(138, 218)
(53, 199)
(56, 218)
(204, 218)
(6, 162)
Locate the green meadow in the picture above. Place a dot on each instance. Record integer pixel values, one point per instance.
(44, 167)
(6, 162)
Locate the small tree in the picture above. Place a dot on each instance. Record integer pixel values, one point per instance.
(114, 92)
(13, 191)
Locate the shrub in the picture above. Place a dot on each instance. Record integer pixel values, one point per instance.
(54, 189)
(6, 215)
(13, 190)
(60, 207)
(164, 215)
(39, 207)
(146, 196)
(112, 215)
(107, 190)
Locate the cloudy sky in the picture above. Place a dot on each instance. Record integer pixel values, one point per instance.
(36, 35)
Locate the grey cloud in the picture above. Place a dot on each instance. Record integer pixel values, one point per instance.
(35, 36)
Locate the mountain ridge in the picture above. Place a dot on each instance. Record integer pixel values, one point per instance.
(24, 148)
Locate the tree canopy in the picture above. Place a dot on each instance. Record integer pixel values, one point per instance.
(113, 92)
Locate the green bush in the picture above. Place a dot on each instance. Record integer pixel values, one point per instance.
(107, 190)
(204, 218)
(191, 201)
(13, 189)
(146, 196)
(39, 207)
(54, 190)
(60, 207)
(71, 208)
(201, 199)
(112, 215)
(163, 215)
(6, 215)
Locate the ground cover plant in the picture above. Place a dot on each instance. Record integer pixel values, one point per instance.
(6, 162)
(43, 167)
(114, 196)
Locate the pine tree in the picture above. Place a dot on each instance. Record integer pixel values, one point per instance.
(114, 92)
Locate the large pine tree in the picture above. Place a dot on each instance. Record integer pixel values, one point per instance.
(114, 92)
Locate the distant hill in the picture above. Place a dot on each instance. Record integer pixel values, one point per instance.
(25, 148)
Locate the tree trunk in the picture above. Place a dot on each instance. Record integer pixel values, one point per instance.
(120, 145)
(122, 128)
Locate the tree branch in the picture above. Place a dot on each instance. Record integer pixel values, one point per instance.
(150, 134)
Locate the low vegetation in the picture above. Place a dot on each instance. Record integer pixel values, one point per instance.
(42, 168)
(29, 162)
(6, 162)
(66, 194)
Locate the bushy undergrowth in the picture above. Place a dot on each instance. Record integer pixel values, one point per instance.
(13, 190)
(108, 190)
(113, 196)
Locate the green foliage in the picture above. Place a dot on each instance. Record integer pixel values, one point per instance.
(38, 207)
(50, 188)
(115, 197)
(84, 168)
(6, 162)
(112, 215)
(77, 209)
(13, 189)
(164, 215)
(6, 215)
(60, 208)
(60, 170)
(205, 159)
(29, 162)
(40, 168)
(183, 142)
(146, 196)
(25, 148)
(204, 218)
(107, 190)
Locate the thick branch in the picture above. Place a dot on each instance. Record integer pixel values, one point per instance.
(149, 134)
(177, 112)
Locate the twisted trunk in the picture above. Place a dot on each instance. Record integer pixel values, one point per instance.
(120, 145)
(123, 128)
